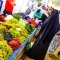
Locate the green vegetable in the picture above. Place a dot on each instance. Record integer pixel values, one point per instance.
(16, 16)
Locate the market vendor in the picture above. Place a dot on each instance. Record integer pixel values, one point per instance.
(9, 6)
(40, 15)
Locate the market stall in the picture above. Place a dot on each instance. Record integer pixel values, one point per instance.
(18, 53)
(19, 27)
(15, 32)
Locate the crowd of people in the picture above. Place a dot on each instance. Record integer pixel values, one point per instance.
(50, 25)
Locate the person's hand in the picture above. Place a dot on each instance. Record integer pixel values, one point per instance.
(40, 20)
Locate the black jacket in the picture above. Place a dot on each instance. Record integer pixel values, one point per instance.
(48, 30)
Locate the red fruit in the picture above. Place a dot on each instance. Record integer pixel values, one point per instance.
(8, 27)
(32, 21)
(14, 43)
(2, 18)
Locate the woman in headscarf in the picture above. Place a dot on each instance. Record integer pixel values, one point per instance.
(38, 14)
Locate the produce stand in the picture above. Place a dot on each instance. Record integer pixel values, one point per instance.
(16, 55)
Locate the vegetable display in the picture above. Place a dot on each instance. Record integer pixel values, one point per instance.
(17, 16)
(30, 28)
(5, 50)
(12, 34)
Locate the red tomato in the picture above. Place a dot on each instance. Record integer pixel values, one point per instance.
(2, 18)
(14, 43)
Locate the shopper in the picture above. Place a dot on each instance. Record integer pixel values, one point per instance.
(39, 48)
(9, 6)
(44, 13)
(38, 14)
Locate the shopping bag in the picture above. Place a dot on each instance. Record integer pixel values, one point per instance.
(57, 53)
(53, 52)
(54, 56)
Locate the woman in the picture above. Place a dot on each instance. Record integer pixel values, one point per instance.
(38, 14)
(48, 31)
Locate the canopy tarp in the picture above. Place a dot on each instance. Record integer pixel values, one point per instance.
(56, 2)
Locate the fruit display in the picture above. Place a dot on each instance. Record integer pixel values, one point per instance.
(14, 23)
(14, 43)
(11, 22)
(5, 50)
(25, 34)
(12, 34)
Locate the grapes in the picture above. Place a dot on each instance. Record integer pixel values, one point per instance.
(7, 36)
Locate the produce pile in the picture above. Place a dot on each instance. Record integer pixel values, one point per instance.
(12, 34)
(16, 16)
(5, 50)
(30, 27)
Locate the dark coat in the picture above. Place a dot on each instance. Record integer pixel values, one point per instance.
(48, 31)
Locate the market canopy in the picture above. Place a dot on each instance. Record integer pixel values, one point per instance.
(56, 2)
